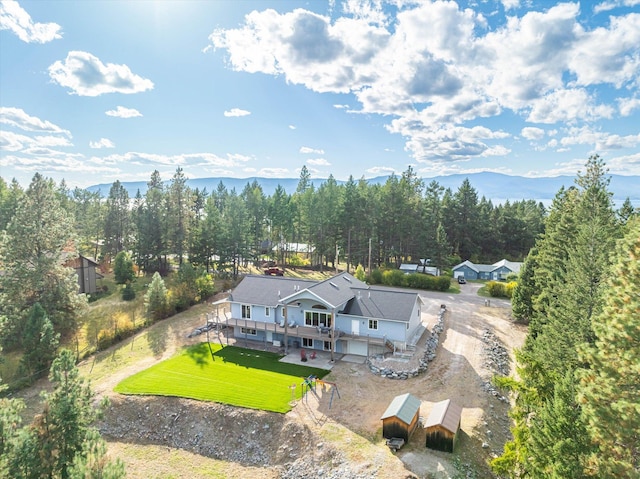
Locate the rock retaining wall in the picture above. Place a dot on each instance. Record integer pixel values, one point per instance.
(428, 355)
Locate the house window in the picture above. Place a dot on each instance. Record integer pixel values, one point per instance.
(246, 311)
(316, 318)
(249, 331)
(373, 324)
(327, 345)
(307, 342)
(267, 311)
(284, 312)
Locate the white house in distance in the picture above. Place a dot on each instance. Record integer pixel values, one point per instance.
(341, 314)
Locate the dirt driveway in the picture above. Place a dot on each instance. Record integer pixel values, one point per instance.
(459, 372)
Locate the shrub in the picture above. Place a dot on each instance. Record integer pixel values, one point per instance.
(497, 289)
(128, 293)
(393, 277)
(376, 276)
(360, 274)
(206, 286)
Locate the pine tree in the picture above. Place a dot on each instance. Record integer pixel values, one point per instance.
(156, 299)
(610, 386)
(61, 442)
(31, 254)
(40, 342)
(123, 268)
(559, 441)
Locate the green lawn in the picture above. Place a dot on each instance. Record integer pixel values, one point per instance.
(230, 375)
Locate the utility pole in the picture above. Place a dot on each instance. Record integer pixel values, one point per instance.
(369, 256)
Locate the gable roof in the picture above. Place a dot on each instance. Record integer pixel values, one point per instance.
(488, 268)
(466, 263)
(338, 290)
(382, 303)
(446, 414)
(512, 265)
(404, 407)
(267, 290)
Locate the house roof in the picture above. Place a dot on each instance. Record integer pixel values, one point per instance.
(488, 268)
(358, 298)
(404, 407)
(267, 290)
(446, 414)
(512, 265)
(466, 263)
(382, 303)
(338, 290)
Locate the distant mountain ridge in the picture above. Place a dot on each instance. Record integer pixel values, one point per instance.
(494, 186)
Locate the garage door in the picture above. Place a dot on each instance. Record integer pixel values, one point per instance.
(357, 347)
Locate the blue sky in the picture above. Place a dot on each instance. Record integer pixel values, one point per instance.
(97, 91)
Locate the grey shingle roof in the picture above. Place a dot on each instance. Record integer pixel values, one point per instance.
(382, 303)
(266, 290)
(404, 407)
(337, 290)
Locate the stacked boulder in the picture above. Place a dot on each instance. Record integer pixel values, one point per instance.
(428, 356)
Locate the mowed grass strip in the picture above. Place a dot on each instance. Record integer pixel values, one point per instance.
(229, 375)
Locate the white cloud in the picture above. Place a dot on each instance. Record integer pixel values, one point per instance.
(268, 172)
(568, 106)
(10, 141)
(628, 105)
(85, 75)
(192, 159)
(292, 127)
(380, 170)
(102, 143)
(532, 133)
(510, 4)
(122, 112)
(318, 162)
(599, 141)
(624, 165)
(17, 117)
(234, 112)
(543, 66)
(610, 5)
(305, 150)
(13, 17)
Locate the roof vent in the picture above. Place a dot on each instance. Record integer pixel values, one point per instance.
(369, 294)
(348, 280)
(333, 284)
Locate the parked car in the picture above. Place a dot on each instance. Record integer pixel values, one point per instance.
(461, 280)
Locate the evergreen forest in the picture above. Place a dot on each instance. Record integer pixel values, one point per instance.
(576, 411)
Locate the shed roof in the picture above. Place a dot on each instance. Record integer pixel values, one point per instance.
(446, 414)
(404, 407)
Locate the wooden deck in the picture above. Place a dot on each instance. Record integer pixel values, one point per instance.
(298, 331)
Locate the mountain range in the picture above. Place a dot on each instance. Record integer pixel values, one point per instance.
(494, 186)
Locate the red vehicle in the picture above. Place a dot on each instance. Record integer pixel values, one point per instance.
(275, 271)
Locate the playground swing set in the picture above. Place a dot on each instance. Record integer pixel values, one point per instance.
(309, 385)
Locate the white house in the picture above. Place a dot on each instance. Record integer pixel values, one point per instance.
(340, 314)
